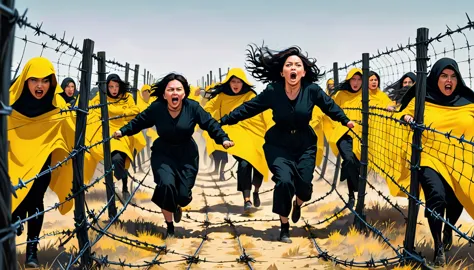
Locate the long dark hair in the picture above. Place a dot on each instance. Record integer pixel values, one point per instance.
(159, 88)
(123, 86)
(266, 65)
(373, 73)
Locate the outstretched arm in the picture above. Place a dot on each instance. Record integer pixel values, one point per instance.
(209, 124)
(248, 109)
(327, 105)
(142, 121)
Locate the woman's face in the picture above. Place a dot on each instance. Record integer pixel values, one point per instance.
(114, 88)
(447, 81)
(373, 82)
(236, 85)
(39, 87)
(407, 82)
(70, 88)
(174, 94)
(356, 82)
(293, 70)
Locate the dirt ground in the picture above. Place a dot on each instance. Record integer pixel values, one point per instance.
(229, 236)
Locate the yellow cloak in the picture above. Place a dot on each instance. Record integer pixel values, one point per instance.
(117, 108)
(351, 103)
(449, 157)
(33, 139)
(248, 135)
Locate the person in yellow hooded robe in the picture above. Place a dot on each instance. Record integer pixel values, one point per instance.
(329, 86)
(446, 166)
(248, 135)
(39, 137)
(397, 90)
(70, 91)
(122, 108)
(348, 96)
(290, 144)
(219, 157)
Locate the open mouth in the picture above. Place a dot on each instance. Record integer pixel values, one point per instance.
(448, 88)
(293, 75)
(39, 93)
(174, 100)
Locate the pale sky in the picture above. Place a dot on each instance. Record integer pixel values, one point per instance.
(193, 37)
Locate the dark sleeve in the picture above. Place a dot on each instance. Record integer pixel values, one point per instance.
(248, 109)
(209, 124)
(327, 105)
(142, 121)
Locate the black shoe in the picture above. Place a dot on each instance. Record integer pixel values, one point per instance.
(447, 239)
(169, 233)
(247, 206)
(31, 255)
(285, 233)
(169, 230)
(296, 214)
(178, 214)
(222, 176)
(256, 199)
(439, 258)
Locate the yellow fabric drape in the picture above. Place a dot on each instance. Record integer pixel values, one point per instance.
(32, 140)
(317, 124)
(248, 135)
(449, 157)
(351, 103)
(117, 108)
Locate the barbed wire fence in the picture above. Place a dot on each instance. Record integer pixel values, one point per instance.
(81, 66)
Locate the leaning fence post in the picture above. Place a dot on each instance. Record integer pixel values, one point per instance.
(80, 217)
(364, 144)
(421, 73)
(109, 180)
(7, 33)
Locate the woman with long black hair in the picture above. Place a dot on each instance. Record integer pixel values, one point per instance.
(290, 145)
(175, 156)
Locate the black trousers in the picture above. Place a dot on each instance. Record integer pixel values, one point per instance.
(292, 174)
(244, 175)
(33, 202)
(118, 160)
(441, 199)
(175, 170)
(350, 166)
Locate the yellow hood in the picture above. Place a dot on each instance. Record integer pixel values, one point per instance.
(238, 73)
(352, 72)
(38, 67)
